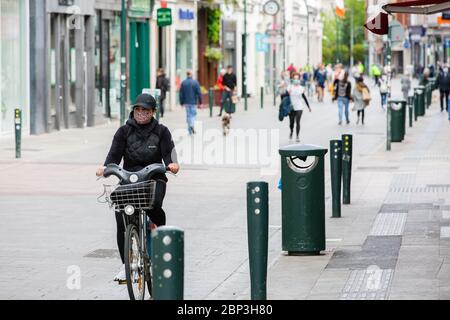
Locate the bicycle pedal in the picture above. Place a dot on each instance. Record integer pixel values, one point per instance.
(122, 282)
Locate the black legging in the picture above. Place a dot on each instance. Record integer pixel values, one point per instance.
(295, 116)
(361, 112)
(157, 215)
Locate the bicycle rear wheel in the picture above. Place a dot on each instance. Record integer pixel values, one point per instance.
(134, 264)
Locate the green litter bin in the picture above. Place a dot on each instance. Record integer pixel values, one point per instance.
(398, 119)
(420, 91)
(303, 199)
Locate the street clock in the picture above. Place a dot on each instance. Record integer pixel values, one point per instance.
(271, 7)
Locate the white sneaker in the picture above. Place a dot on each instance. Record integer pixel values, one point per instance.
(121, 275)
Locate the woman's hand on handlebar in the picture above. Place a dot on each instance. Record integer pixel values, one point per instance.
(100, 171)
(174, 168)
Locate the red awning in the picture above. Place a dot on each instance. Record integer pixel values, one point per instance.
(380, 24)
(418, 7)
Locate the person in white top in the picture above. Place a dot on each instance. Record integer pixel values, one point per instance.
(298, 101)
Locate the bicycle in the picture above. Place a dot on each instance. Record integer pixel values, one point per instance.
(134, 194)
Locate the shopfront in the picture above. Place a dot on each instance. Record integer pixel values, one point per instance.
(182, 49)
(14, 88)
(107, 66)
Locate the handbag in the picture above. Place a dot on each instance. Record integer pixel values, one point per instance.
(234, 99)
(366, 96)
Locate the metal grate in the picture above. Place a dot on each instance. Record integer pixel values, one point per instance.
(377, 168)
(406, 207)
(389, 224)
(370, 284)
(426, 189)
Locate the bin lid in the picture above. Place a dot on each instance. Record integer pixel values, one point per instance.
(302, 150)
(397, 101)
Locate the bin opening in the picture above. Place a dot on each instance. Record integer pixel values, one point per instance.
(302, 164)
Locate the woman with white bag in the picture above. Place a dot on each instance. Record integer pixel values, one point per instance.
(361, 98)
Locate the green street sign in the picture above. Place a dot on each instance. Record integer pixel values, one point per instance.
(164, 17)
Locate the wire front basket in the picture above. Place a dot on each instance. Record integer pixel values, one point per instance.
(138, 195)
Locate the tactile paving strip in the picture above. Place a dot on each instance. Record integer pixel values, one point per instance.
(370, 284)
(389, 224)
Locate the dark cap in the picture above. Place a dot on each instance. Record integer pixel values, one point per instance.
(145, 101)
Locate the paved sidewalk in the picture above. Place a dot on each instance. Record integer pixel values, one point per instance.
(398, 221)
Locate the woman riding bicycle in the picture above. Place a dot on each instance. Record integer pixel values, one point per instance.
(140, 142)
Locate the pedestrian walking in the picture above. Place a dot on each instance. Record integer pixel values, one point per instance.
(376, 73)
(321, 78)
(229, 84)
(443, 83)
(219, 84)
(342, 93)
(406, 84)
(361, 98)
(190, 97)
(298, 101)
(384, 90)
(163, 84)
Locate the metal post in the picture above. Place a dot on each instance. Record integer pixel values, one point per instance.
(336, 176)
(18, 129)
(410, 110)
(258, 237)
(158, 106)
(307, 32)
(388, 127)
(262, 97)
(351, 38)
(168, 263)
(347, 154)
(244, 55)
(211, 101)
(123, 62)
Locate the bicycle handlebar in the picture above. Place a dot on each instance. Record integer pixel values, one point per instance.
(127, 177)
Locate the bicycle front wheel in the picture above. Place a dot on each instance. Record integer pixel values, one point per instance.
(134, 264)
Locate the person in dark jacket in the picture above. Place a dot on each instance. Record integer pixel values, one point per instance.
(342, 93)
(443, 82)
(142, 141)
(229, 84)
(163, 84)
(190, 96)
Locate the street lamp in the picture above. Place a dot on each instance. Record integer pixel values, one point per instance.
(123, 61)
(307, 30)
(244, 55)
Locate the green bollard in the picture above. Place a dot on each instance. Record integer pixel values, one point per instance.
(18, 129)
(258, 237)
(430, 95)
(262, 97)
(388, 128)
(410, 110)
(416, 105)
(168, 263)
(347, 142)
(336, 176)
(211, 101)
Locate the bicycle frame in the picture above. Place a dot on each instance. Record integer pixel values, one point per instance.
(142, 224)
